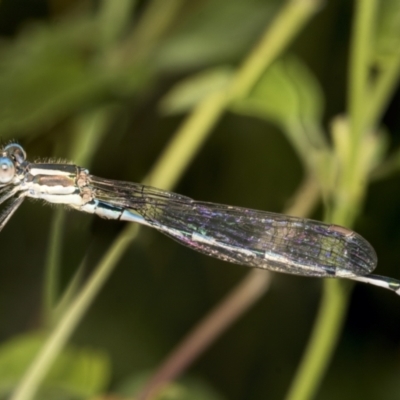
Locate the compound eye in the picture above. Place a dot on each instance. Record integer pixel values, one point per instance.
(7, 170)
(16, 152)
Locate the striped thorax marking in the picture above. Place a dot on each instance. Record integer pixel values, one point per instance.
(61, 184)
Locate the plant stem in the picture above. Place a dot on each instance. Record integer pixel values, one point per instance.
(52, 265)
(322, 342)
(114, 17)
(67, 324)
(362, 38)
(348, 198)
(284, 28)
(206, 117)
(382, 92)
(195, 129)
(87, 137)
(235, 304)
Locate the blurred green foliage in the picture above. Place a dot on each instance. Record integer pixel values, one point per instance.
(78, 373)
(106, 84)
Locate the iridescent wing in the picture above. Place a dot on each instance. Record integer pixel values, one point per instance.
(244, 236)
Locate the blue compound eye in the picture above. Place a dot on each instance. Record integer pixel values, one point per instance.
(7, 170)
(16, 152)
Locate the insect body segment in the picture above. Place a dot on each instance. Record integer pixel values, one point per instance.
(238, 235)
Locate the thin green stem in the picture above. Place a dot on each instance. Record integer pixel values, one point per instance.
(348, 196)
(187, 141)
(322, 343)
(385, 86)
(157, 19)
(88, 134)
(52, 265)
(382, 92)
(114, 17)
(285, 27)
(350, 190)
(235, 304)
(362, 39)
(90, 130)
(390, 166)
(56, 341)
(205, 115)
(69, 294)
(196, 127)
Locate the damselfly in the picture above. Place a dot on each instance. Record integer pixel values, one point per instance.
(238, 235)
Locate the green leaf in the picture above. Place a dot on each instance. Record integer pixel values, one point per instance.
(215, 32)
(289, 95)
(185, 389)
(286, 93)
(50, 71)
(77, 373)
(188, 92)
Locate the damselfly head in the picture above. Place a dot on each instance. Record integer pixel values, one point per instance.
(15, 152)
(12, 157)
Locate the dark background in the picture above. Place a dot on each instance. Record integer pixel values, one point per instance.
(160, 289)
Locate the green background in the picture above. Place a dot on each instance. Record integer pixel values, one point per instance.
(54, 77)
